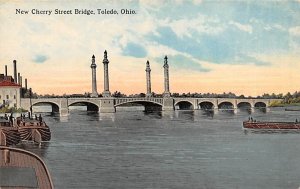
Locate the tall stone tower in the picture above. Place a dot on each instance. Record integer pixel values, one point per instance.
(106, 92)
(166, 77)
(148, 79)
(94, 79)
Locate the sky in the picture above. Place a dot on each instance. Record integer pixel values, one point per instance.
(244, 47)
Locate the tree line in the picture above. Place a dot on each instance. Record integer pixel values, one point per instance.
(287, 98)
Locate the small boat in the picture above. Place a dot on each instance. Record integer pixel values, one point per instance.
(290, 109)
(271, 125)
(22, 169)
(9, 135)
(34, 130)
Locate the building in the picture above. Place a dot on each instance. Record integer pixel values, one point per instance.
(10, 94)
(6, 78)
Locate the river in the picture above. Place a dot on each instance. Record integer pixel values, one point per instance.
(180, 149)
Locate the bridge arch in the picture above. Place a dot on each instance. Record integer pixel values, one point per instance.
(184, 105)
(149, 105)
(260, 105)
(244, 105)
(225, 105)
(54, 106)
(90, 105)
(206, 105)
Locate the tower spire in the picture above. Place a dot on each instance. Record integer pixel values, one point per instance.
(166, 78)
(148, 79)
(106, 92)
(94, 79)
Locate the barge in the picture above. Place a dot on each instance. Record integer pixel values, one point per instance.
(9, 135)
(33, 129)
(256, 125)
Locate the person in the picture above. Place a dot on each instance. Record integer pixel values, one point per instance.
(5, 116)
(40, 118)
(11, 118)
(36, 117)
(296, 120)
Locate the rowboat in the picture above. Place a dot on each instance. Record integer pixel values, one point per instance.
(33, 130)
(9, 135)
(20, 169)
(271, 125)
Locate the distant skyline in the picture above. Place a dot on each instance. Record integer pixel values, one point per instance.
(244, 47)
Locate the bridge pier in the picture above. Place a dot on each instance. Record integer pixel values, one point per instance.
(168, 104)
(107, 105)
(64, 109)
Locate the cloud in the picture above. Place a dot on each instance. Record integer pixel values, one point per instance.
(135, 50)
(184, 63)
(40, 58)
(242, 27)
(295, 31)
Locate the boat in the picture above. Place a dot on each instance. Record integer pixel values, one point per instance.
(22, 169)
(290, 109)
(9, 135)
(33, 129)
(271, 125)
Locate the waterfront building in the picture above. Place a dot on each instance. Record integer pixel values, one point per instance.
(10, 94)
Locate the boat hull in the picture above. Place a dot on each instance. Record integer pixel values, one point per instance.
(271, 125)
(27, 169)
(9, 136)
(33, 130)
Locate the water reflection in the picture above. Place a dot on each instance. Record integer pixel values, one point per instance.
(38, 148)
(107, 116)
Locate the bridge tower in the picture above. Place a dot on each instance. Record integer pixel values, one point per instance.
(168, 101)
(166, 77)
(94, 80)
(148, 79)
(106, 92)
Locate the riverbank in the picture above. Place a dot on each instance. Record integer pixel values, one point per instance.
(283, 104)
(12, 110)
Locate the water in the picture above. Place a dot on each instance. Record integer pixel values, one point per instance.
(181, 149)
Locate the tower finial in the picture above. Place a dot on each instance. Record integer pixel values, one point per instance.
(166, 59)
(93, 56)
(105, 54)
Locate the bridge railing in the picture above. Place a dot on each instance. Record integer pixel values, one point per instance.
(149, 99)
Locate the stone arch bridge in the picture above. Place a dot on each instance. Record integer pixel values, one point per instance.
(108, 105)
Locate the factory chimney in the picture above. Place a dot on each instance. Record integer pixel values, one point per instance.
(5, 70)
(15, 71)
(19, 79)
(26, 84)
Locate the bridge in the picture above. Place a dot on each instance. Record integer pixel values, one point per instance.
(109, 104)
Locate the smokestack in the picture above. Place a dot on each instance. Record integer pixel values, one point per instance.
(26, 84)
(15, 71)
(19, 77)
(5, 70)
(21, 81)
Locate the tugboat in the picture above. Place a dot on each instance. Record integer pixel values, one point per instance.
(33, 129)
(9, 134)
(22, 169)
(253, 124)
